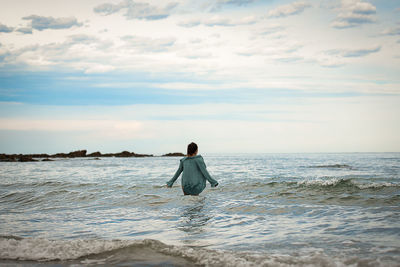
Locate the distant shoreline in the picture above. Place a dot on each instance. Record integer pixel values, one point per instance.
(77, 154)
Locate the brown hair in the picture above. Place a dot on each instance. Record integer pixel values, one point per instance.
(191, 149)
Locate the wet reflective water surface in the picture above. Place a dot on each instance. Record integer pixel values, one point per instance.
(283, 209)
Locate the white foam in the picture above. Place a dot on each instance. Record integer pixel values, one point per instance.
(336, 181)
(41, 249)
(376, 185)
(327, 182)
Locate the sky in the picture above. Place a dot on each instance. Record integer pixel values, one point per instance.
(234, 76)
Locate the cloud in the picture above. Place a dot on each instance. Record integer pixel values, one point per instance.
(136, 10)
(190, 23)
(287, 10)
(235, 2)
(392, 31)
(86, 53)
(41, 23)
(218, 21)
(216, 5)
(146, 44)
(354, 53)
(24, 30)
(270, 30)
(354, 13)
(5, 28)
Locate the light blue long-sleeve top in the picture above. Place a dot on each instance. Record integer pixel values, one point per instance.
(194, 175)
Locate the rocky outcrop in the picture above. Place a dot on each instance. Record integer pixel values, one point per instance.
(74, 154)
(175, 154)
(25, 158)
(7, 158)
(94, 154)
(127, 154)
(15, 157)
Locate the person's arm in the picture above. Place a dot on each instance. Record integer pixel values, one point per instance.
(178, 172)
(203, 169)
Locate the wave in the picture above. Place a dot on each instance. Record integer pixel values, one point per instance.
(344, 183)
(131, 252)
(320, 183)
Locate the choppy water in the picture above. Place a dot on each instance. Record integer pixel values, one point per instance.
(269, 210)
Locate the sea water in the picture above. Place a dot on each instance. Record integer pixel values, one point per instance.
(268, 210)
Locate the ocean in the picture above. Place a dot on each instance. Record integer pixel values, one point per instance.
(268, 210)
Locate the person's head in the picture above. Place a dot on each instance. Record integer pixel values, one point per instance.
(192, 149)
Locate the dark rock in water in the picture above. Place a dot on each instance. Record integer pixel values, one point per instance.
(25, 158)
(77, 154)
(127, 154)
(74, 154)
(7, 158)
(143, 155)
(59, 155)
(94, 154)
(332, 166)
(39, 155)
(175, 154)
(95, 159)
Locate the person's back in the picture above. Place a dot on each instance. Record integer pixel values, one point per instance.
(194, 174)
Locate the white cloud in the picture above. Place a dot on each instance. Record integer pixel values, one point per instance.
(218, 20)
(42, 23)
(354, 52)
(136, 10)
(353, 13)
(391, 31)
(25, 30)
(148, 45)
(215, 5)
(287, 10)
(5, 28)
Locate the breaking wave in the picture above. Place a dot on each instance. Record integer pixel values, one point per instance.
(94, 252)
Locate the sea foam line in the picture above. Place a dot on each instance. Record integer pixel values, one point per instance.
(40, 249)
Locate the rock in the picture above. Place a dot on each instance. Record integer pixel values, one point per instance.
(74, 154)
(77, 154)
(94, 154)
(175, 154)
(25, 158)
(143, 155)
(59, 155)
(127, 154)
(39, 155)
(345, 166)
(7, 158)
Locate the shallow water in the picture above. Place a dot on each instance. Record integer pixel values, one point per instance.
(270, 209)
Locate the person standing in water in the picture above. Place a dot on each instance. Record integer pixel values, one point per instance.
(194, 174)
